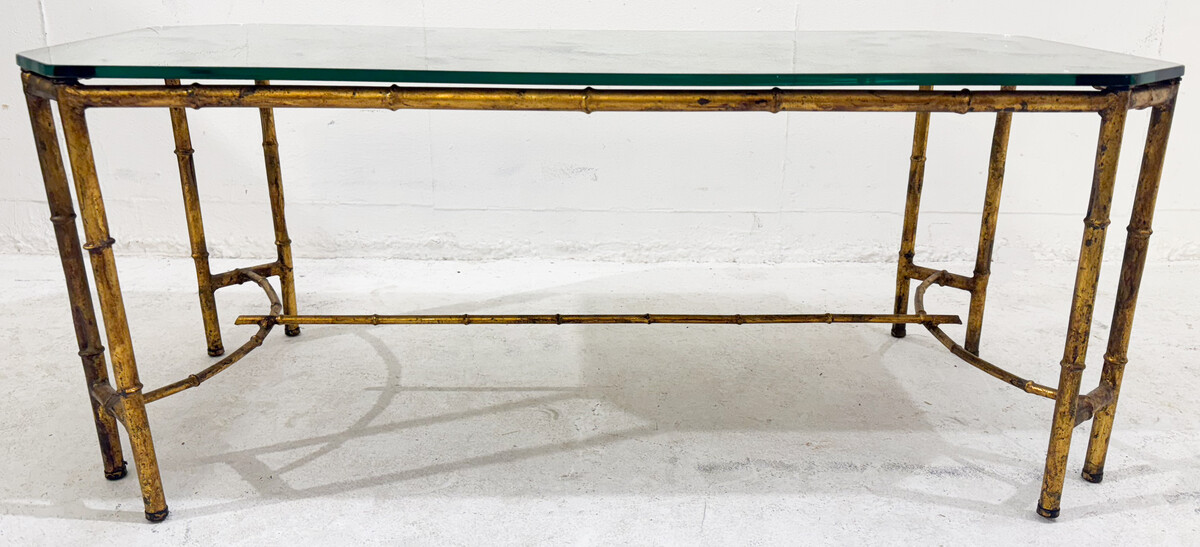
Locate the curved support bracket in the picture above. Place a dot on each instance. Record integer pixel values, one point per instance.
(266, 322)
(264, 327)
(1028, 386)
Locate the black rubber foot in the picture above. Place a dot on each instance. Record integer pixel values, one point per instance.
(1048, 513)
(1093, 477)
(117, 474)
(292, 331)
(157, 516)
(216, 352)
(898, 331)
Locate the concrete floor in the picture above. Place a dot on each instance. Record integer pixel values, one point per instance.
(598, 434)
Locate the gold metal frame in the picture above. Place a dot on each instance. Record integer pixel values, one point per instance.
(125, 402)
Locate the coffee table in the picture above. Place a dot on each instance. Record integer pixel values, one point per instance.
(589, 71)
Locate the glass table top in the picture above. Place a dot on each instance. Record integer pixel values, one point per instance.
(405, 55)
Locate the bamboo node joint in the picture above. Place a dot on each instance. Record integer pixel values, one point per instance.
(130, 391)
(59, 220)
(1140, 233)
(393, 98)
(585, 100)
(91, 352)
(1116, 360)
(96, 247)
(191, 95)
(1072, 366)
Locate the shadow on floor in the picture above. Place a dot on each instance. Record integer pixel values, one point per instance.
(590, 410)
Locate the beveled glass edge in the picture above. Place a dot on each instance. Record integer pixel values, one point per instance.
(593, 79)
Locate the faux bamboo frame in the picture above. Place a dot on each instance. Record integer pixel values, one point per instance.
(125, 402)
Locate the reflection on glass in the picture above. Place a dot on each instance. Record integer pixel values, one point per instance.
(580, 57)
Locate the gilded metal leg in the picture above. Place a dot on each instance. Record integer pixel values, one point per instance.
(104, 269)
(1132, 265)
(1083, 301)
(87, 334)
(987, 229)
(195, 224)
(912, 206)
(283, 244)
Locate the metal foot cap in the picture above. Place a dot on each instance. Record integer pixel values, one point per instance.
(118, 473)
(216, 352)
(898, 331)
(1048, 513)
(1093, 477)
(292, 331)
(157, 516)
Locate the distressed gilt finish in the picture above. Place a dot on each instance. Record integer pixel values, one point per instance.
(1136, 243)
(125, 402)
(1079, 325)
(195, 225)
(87, 333)
(283, 244)
(987, 229)
(563, 319)
(112, 308)
(912, 208)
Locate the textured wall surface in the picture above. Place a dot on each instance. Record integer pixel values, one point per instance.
(611, 186)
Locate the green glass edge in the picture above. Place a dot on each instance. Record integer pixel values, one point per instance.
(586, 79)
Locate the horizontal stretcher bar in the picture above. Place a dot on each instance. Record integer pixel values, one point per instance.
(596, 100)
(585, 100)
(558, 319)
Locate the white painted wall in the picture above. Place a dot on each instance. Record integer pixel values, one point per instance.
(609, 186)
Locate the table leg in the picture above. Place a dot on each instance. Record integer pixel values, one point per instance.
(987, 229)
(112, 307)
(283, 244)
(87, 333)
(912, 207)
(1083, 302)
(1136, 243)
(195, 224)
